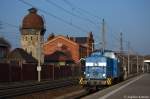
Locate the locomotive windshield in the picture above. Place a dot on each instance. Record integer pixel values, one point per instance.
(95, 72)
(95, 67)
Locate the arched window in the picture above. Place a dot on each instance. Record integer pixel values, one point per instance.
(31, 37)
(26, 38)
(31, 53)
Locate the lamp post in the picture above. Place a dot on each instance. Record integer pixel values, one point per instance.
(39, 59)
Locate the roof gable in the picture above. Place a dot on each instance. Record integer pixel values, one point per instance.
(20, 54)
(61, 37)
(80, 40)
(4, 43)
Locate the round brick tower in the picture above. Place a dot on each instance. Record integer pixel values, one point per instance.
(32, 34)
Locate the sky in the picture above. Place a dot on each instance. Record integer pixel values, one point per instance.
(78, 17)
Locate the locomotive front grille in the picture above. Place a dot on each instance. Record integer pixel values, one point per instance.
(96, 82)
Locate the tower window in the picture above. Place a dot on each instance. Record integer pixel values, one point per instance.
(22, 38)
(31, 37)
(26, 38)
(31, 53)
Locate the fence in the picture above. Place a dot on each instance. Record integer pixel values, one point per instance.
(24, 72)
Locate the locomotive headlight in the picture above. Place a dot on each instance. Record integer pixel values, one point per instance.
(88, 75)
(104, 75)
(84, 73)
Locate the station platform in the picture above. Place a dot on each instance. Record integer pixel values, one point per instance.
(134, 88)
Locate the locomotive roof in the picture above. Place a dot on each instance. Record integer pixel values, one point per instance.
(97, 57)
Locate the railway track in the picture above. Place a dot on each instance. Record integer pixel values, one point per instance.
(29, 88)
(87, 92)
(21, 89)
(79, 94)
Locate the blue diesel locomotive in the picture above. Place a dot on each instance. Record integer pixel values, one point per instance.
(101, 69)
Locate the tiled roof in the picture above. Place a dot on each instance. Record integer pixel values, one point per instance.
(57, 56)
(81, 40)
(4, 43)
(20, 54)
(33, 20)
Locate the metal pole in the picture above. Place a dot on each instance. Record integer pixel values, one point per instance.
(131, 65)
(39, 59)
(103, 36)
(147, 68)
(39, 73)
(125, 69)
(143, 64)
(137, 64)
(123, 61)
(121, 43)
(128, 64)
(21, 71)
(92, 47)
(53, 72)
(128, 59)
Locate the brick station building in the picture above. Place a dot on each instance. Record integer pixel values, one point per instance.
(75, 48)
(32, 33)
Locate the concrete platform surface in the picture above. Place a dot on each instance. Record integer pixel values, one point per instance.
(134, 88)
